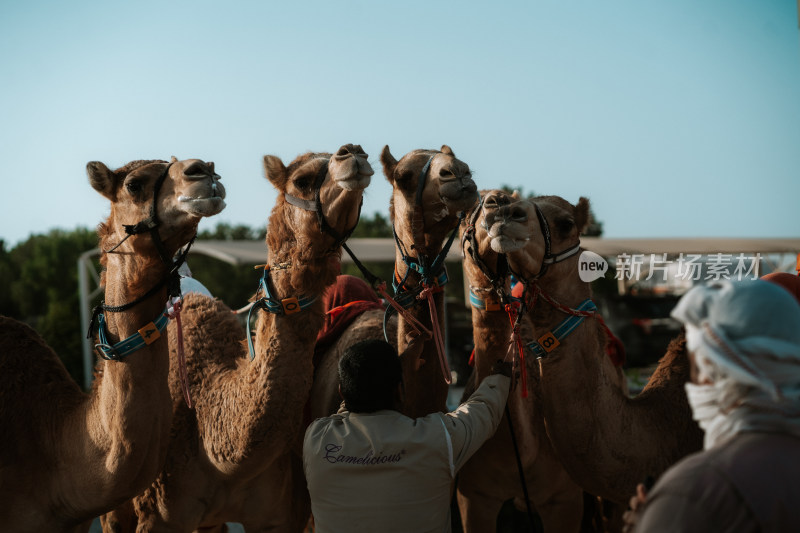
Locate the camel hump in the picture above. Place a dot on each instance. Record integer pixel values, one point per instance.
(32, 376)
(212, 332)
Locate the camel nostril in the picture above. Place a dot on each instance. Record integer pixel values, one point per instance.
(518, 214)
(199, 171)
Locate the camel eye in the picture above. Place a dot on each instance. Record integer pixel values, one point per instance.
(445, 173)
(134, 187)
(303, 182)
(565, 225)
(406, 175)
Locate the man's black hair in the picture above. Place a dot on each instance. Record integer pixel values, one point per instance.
(369, 372)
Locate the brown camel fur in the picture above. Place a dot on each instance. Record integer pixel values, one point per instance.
(423, 230)
(229, 458)
(491, 476)
(607, 441)
(68, 456)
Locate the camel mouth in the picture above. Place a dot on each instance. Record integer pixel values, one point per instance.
(503, 244)
(204, 207)
(458, 198)
(359, 182)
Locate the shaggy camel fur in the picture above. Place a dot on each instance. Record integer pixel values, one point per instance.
(423, 223)
(491, 476)
(229, 459)
(68, 456)
(607, 441)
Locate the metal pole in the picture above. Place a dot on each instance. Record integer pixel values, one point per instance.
(83, 285)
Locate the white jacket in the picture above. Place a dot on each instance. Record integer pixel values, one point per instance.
(386, 472)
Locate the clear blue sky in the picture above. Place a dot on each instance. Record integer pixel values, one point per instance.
(677, 118)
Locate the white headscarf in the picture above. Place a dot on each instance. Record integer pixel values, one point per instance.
(745, 337)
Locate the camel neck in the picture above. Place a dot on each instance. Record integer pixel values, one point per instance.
(563, 285)
(491, 325)
(128, 278)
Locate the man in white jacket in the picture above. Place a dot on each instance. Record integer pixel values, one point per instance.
(370, 468)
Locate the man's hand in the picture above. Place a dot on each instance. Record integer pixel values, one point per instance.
(410, 358)
(637, 503)
(502, 367)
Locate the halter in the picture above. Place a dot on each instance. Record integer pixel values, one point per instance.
(291, 305)
(496, 279)
(546, 343)
(172, 279)
(151, 331)
(286, 306)
(432, 272)
(549, 257)
(315, 206)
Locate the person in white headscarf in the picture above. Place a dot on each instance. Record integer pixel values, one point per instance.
(744, 344)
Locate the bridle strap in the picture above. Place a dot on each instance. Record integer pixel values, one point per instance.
(172, 278)
(549, 257)
(315, 206)
(496, 279)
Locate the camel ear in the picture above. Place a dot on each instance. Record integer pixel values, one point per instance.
(582, 214)
(389, 163)
(515, 195)
(447, 150)
(102, 179)
(275, 171)
(173, 159)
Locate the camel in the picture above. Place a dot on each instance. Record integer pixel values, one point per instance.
(431, 191)
(229, 458)
(68, 456)
(607, 441)
(492, 476)
(444, 189)
(447, 190)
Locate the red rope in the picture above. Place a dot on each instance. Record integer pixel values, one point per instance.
(427, 294)
(512, 310)
(419, 328)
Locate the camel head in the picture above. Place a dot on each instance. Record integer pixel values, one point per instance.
(511, 227)
(475, 239)
(176, 195)
(514, 226)
(447, 190)
(320, 201)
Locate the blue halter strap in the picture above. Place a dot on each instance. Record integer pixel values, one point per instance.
(286, 306)
(548, 342)
(146, 335)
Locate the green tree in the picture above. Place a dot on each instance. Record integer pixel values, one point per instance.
(227, 232)
(375, 227)
(8, 273)
(44, 289)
